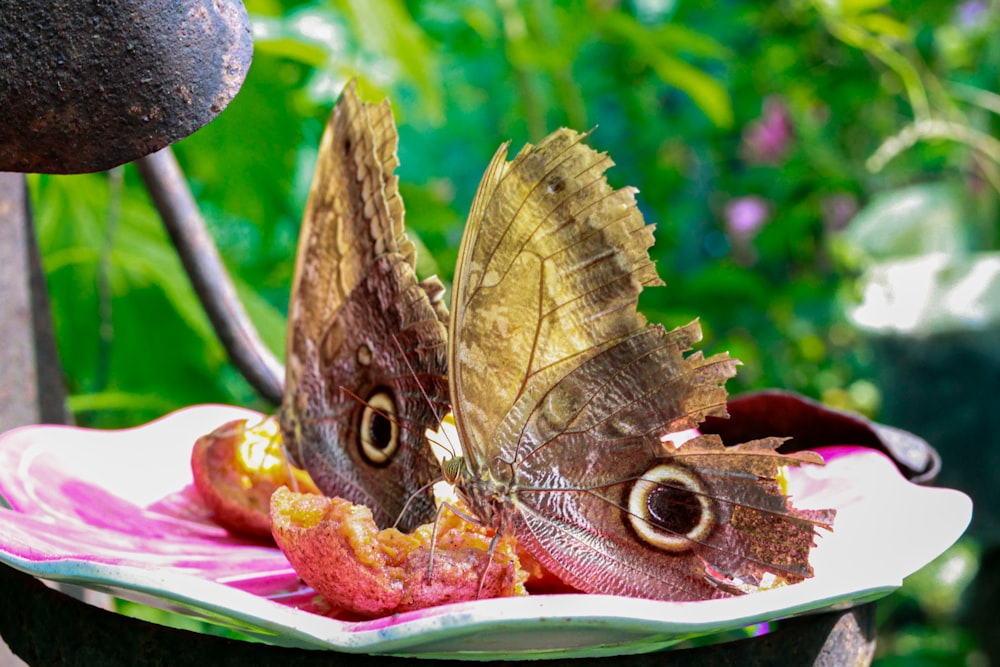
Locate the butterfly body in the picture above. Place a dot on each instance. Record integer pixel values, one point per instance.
(563, 397)
(366, 356)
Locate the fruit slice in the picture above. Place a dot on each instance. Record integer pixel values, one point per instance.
(236, 469)
(336, 548)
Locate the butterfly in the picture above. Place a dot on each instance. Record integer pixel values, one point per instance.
(568, 404)
(366, 360)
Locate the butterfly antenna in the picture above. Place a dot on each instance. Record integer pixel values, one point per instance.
(409, 367)
(438, 417)
(413, 496)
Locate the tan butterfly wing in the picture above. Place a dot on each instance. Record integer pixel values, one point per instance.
(531, 291)
(366, 357)
(562, 392)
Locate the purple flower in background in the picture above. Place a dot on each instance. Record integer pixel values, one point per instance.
(837, 210)
(970, 13)
(768, 139)
(745, 216)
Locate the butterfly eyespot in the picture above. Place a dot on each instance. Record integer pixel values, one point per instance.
(379, 429)
(669, 508)
(364, 355)
(556, 185)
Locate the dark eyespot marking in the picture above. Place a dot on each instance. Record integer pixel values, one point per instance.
(672, 509)
(379, 429)
(669, 508)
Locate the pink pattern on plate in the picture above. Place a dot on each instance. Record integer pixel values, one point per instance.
(104, 497)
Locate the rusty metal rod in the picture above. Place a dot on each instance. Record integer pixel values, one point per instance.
(173, 199)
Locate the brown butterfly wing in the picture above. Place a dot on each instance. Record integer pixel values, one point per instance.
(562, 394)
(614, 407)
(366, 356)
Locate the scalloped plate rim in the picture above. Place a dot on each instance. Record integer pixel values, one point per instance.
(427, 633)
(448, 621)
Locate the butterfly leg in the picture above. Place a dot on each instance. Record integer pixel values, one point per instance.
(434, 535)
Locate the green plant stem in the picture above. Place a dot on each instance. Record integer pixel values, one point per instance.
(935, 128)
(854, 36)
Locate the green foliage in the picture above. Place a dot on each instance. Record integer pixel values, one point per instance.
(918, 624)
(785, 106)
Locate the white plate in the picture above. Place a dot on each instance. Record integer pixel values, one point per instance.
(117, 511)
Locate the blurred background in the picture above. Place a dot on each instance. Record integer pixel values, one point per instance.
(824, 177)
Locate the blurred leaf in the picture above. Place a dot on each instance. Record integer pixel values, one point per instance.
(906, 222)
(273, 39)
(311, 35)
(710, 96)
(685, 40)
(155, 338)
(656, 49)
(242, 169)
(881, 24)
(720, 284)
(386, 28)
(268, 320)
(116, 401)
(938, 588)
(850, 7)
